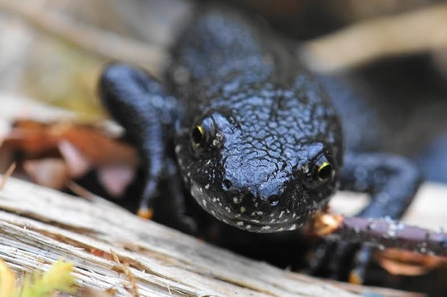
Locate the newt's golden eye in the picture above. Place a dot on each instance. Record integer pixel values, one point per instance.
(203, 135)
(197, 136)
(206, 136)
(324, 171)
(320, 172)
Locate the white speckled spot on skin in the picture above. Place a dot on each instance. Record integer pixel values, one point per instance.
(265, 228)
(242, 209)
(207, 186)
(217, 140)
(227, 209)
(293, 227)
(177, 149)
(204, 202)
(257, 213)
(240, 223)
(281, 214)
(248, 227)
(195, 192)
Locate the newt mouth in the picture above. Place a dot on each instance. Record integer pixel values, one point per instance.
(268, 224)
(252, 216)
(258, 226)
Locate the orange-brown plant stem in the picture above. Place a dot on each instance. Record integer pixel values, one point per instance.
(388, 233)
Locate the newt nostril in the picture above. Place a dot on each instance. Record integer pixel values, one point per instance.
(273, 200)
(226, 184)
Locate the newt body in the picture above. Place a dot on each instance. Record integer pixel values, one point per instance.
(250, 135)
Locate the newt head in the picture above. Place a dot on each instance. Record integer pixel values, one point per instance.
(262, 166)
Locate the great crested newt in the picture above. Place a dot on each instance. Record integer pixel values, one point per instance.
(256, 140)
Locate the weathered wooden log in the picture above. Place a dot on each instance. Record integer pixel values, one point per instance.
(39, 226)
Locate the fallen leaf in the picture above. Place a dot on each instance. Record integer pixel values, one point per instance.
(30, 138)
(50, 172)
(100, 148)
(400, 262)
(116, 178)
(83, 147)
(77, 163)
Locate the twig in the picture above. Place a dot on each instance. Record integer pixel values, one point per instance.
(103, 43)
(394, 234)
(382, 233)
(132, 287)
(7, 174)
(411, 32)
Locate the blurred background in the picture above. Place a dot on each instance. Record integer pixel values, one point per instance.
(393, 53)
(53, 50)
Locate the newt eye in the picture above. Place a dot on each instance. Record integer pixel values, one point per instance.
(197, 136)
(324, 171)
(204, 135)
(321, 171)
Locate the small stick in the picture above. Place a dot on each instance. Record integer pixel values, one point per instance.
(7, 174)
(103, 43)
(381, 232)
(365, 41)
(388, 233)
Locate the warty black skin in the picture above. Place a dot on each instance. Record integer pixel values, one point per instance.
(268, 125)
(260, 175)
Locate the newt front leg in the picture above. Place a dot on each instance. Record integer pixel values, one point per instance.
(392, 182)
(150, 117)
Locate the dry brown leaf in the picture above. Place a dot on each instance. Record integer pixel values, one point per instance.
(115, 178)
(50, 172)
(100, 148)
(35, 138)
(31, 138)
(402, 262)
(77, 163)
(82, 147)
